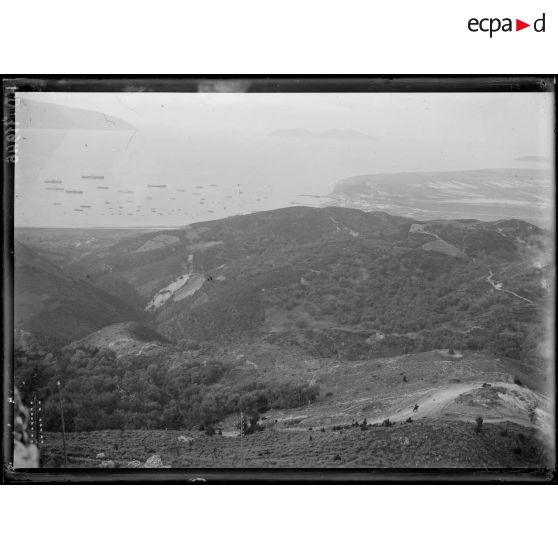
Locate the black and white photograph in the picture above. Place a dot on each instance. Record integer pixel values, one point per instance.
(245, 278)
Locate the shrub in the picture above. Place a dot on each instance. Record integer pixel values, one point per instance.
(517, 381)
(252, 426)
(409, 419)
(337, 457)
(478, 427)
(533, 414)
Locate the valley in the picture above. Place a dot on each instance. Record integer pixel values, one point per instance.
(345, 337)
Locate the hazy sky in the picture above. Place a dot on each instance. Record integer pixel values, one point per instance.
(257, 151)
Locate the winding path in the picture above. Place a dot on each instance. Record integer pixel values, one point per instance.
(498, 287)
(430, 402)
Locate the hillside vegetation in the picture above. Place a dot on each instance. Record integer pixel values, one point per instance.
(303, 319)
(341, 282)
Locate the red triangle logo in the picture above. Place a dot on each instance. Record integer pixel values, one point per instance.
(519, 25)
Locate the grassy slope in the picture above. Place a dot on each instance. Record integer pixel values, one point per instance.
(428, 443)
(294, 437)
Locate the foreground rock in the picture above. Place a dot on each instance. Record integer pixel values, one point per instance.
(155, 462)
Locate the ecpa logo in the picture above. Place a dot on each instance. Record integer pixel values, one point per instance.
(494, 24)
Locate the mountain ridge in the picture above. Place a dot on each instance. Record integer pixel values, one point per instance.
(334, 281)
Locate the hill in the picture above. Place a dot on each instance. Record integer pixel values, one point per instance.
(38, 115)
(332, 323)
(62, 246)
(338, 282)
(138, 268)
(49, 301)
(417, 410)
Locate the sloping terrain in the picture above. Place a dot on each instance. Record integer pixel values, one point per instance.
(338, 282)
(415, 410)
(454, 387)
(62, 246)
(49, 301)
(124, 339)
(428, 443)
(248, 244)
(305, 319)
(37, 115)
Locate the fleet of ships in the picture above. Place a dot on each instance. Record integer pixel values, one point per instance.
(55, 184)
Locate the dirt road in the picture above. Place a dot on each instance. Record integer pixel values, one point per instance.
(430, 402)
(499, 287)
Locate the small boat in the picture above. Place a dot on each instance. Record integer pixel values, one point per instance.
(156, 185)
(92, 176)
(53, 181)
(74, 191)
